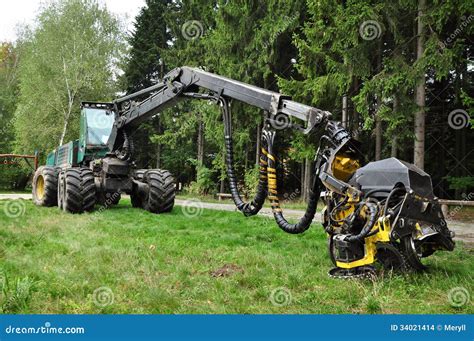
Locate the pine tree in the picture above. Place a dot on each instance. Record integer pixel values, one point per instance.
(145, 66)
(150, 38)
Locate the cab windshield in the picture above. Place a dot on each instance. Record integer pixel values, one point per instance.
(99, 126)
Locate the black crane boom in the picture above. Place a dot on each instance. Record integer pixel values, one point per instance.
(187, 82)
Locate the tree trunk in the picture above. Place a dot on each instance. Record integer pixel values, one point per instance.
(344, 111)
(158, 156)
(70, 95)
(355, 119)
(200, 142)
(378, 131)
(378, 119)
(158, 147)
(302, 167)
(460, 135)
(222, 188)
(393, 152)
(257, 148)
(67, 115)
(396, 108)
(307, 178)
(419, 147)
(63, 134)
(246, 157)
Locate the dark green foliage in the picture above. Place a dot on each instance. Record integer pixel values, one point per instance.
(70, 55)
(463, 183)
(13, 176)
(149, 38)
(315, 51)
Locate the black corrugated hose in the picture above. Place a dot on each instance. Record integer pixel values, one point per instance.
(252, 208)
(305, 222)
(369, 224)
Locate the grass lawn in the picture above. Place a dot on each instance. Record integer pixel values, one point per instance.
(216, 262)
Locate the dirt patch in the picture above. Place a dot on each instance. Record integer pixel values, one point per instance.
(226, 270)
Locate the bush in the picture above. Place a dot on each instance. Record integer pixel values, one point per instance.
(204, 183)
(251, 181)
(13, 177)
(460, 183)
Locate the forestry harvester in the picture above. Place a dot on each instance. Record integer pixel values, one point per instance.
(383, 211)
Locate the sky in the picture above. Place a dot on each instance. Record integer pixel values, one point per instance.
(14, 12)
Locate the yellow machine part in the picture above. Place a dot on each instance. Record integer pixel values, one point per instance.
(343, 167)
(40, 187)
(383, 235)
(348, 210)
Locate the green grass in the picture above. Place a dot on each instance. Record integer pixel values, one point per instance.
(52, 262)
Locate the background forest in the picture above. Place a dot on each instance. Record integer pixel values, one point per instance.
(397, 73)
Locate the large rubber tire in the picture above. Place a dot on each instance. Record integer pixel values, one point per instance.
(411, 253)
(45, 186)
(331, 250)
(391, 258)
(161, 194)
(136, 198)
(77, 189)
